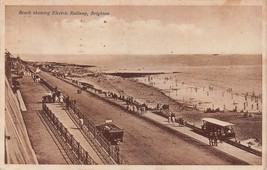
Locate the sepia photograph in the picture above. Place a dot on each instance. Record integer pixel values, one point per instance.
(134, 85)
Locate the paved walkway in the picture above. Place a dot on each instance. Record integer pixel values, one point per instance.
(224, 147)
(45, 148)
(67, 122)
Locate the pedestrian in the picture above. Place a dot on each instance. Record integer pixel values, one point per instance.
(81, 122)
(210, 139)
(215, 138)
(61, 98)
(173, 119)
(53, 96)
(169, 119)
(180, 121)
(56, 98)
(67, 100)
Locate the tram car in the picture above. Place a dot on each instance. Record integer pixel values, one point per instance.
(111, 132)
(224, 129)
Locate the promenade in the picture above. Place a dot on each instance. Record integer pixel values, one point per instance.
(45, 148)
(224, 147)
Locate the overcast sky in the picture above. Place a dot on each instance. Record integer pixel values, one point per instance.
(135, 30)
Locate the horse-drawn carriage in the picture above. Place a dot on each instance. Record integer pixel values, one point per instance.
(224, 129)
(111, 132)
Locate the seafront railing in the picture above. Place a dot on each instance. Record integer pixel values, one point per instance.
(90, 130)
(81, 154)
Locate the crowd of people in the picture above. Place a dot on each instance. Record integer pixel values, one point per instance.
(172, 119)
(53, 96)
(35, 77)
(131, 104)
(213, 138)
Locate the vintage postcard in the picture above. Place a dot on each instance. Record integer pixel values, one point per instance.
(160, 85)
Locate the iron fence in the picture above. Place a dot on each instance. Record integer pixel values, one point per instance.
(82, 155)
(89, 128)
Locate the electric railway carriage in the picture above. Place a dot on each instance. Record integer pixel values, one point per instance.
(224, 129)
(111, 132)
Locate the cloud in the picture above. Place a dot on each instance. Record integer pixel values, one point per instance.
(109, 35)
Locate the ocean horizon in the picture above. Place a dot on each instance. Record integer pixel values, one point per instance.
(148, 61)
